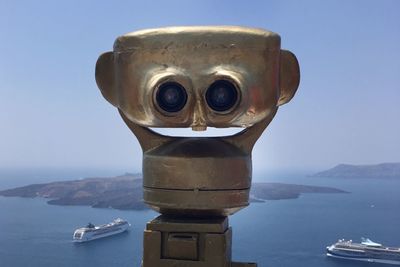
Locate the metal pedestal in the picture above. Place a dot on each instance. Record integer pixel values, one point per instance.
(187, 242)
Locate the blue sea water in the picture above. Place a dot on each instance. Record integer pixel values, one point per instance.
(284, 233)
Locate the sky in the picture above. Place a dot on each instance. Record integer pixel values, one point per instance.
(346, 110)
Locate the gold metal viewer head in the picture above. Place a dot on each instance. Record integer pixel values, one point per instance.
(197, 77)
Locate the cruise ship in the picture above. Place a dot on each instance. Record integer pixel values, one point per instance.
(367, 251)
(92, 232)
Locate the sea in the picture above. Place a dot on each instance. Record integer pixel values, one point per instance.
(282, 233)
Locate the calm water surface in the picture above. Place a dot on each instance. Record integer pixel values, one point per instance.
(287, 233)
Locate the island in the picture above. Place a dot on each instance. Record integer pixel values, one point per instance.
(378, 171)
(125, 192)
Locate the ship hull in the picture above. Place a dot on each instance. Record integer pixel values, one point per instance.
(91, 238)
(362, 255)
(392, 262)
(87, 234)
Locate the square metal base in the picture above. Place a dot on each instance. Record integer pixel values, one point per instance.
(186, 242)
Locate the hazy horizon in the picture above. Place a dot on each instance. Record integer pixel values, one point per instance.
(346, 109)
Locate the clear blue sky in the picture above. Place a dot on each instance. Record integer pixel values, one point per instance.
(347, 108)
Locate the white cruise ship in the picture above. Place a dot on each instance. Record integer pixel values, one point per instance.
(367, 250)
(92, 232)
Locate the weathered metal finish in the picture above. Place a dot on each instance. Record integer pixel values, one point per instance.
(206, 242)
(197, 176)
(189, 177)
(195, 57)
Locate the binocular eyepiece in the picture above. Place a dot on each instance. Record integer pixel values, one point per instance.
(221, 96)
(171, 97)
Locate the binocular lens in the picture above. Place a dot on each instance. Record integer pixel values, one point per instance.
(171, 97)
(221, 95)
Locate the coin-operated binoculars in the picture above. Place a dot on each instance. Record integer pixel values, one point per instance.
(196, 77)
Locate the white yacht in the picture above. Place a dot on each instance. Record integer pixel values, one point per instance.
(367, 250)
(91, 232)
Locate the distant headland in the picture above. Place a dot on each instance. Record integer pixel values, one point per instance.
(378, 171)
(125, 192)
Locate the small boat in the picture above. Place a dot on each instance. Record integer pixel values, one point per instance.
(367, 251)
(92, 232)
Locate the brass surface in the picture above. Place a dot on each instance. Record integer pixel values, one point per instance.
(190, 225)
(186, 177)
(195, 57)
(171, 242)
(203, 176)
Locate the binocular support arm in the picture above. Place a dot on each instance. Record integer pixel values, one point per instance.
(147, 138)
(244, 140)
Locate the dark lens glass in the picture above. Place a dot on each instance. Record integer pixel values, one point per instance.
(171, 97)
(221, 95)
